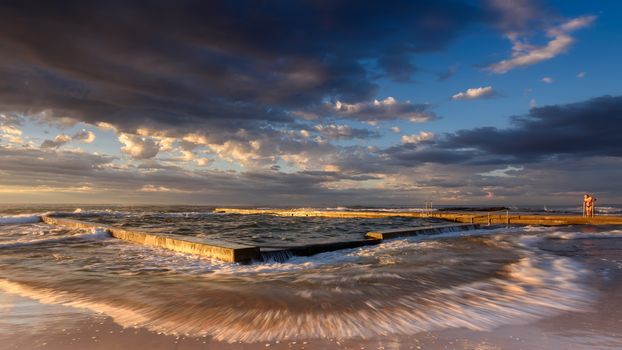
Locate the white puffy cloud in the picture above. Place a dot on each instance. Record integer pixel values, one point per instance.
(525, 54)
(166, 144)
(9, 130)
(475, 93)
(138, 147)
(298, 148)
(190, 156)
(245, 153)
(547, 80)
(396, 129)
(331, 168)
(417, 138)
(203, 161)
(85, 136)
(11, 134)
(581, 75)
(58, 141)
(106, 126)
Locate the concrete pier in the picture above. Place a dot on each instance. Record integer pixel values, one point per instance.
(504, 218)
(232, 252)
(229, 252)
(424, 230)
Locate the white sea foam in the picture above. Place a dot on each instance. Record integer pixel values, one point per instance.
(188, 214)
(299, 263)
(392, 210)
(585, 235)
(608, 210)
(531, 288)
(95, 234)
(122, 213)
(100, 212)
(531, 228)
(20, 219)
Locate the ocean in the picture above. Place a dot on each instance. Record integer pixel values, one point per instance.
(403, 290)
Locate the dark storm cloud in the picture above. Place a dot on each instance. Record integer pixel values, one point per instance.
(397, 67)
(37, 164)
(589, 128)
(576, 130)
(216, 65)
(412, 157)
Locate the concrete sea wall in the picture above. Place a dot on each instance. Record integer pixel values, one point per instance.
(230, 252)
(505, 218)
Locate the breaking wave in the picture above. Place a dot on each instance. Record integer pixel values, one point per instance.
(96, 234)
(398, 287)
(20, 219)
(79, 212)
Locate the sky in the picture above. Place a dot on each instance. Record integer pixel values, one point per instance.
(310, 103)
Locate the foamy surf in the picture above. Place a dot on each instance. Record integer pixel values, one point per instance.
(531, 290)
(79, 212)
(20, 219)
(96, 234)
(585, 235)
(403, 286)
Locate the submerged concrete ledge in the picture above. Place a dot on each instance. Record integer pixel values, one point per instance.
(504, 218)
(229, 252)
(312, 249)
(423, 230)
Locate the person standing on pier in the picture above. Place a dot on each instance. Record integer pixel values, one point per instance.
(588, 205)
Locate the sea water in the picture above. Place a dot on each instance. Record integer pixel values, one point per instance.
(475, 280)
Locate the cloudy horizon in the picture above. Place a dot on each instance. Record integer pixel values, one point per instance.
(310, 103)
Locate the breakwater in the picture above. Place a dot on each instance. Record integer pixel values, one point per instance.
(240, 253)
(229, 252)
(493, 218)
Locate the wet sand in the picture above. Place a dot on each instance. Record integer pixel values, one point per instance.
(28, 324)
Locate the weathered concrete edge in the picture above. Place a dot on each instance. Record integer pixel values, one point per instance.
(423, 230)
(241, 253)
(464, 217)
(313, 249)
